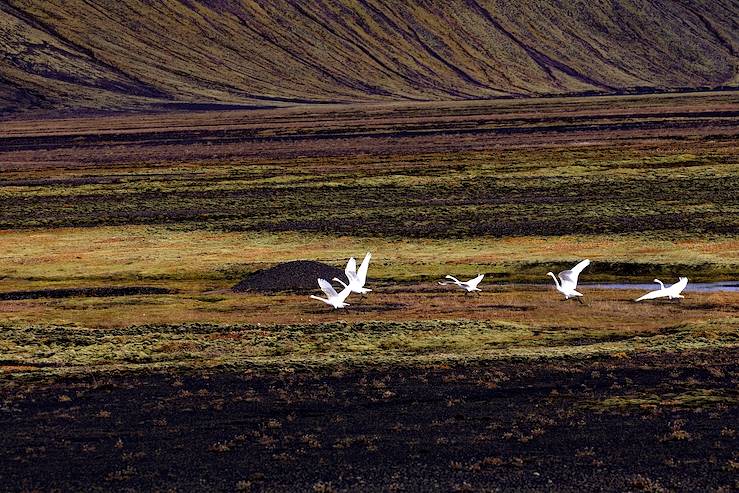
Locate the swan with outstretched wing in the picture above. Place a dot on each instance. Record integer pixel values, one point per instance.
(356, 278)
(671, 292)
(469, 286)
(567, 283)
(337, 300)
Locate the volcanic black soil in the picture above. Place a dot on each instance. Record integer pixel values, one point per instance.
(101, 292)
(641, 423)
(299, 276)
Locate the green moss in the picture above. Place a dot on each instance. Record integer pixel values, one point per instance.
(689, 399)
(70, 349)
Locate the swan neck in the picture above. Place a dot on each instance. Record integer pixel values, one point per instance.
(556, 281)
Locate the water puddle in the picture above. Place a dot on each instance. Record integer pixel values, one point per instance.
(699, 287)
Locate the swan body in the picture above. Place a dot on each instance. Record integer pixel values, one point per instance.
(356, 278)
(671, 292)
(567, 282)
(337, 300)
(469, 286)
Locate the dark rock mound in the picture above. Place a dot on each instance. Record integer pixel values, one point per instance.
(299, 275)
(82, 292)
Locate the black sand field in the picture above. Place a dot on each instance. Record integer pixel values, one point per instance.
(643, 423)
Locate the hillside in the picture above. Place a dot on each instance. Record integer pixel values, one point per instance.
(78, 54)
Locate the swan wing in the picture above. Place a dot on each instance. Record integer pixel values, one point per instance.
(569, 277)
(327, 288)
(474, 282)
(344, 294)
(678, 287)
(351, 269)
(454, 279)
(319, 299)
(660, 293)
(362, 272)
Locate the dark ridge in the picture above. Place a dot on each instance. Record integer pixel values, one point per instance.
(299, 275)
(83, 292)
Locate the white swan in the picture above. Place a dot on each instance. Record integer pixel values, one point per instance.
(568, 280)
(356, 278)
(469, 286)
(671, 292)
(661, 286)
(332, 297)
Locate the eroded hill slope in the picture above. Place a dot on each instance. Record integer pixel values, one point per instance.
(68, 54)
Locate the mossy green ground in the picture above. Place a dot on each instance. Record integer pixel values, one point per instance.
(69, 350)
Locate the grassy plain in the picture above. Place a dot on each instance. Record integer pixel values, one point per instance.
(644, 186)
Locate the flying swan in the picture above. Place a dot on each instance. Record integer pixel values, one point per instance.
(469, 286)
(332, 297)
(671, 292)
(568, 280)
(356, 278)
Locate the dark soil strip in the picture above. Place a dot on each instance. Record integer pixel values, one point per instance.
(557, 425)
(83, 292)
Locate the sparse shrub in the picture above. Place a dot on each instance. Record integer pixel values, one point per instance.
(129, 456)
(311, 440)
(676, 435)
(463, 488)
(220, 447)
(282, 457)
(243, 485)
(642, 483)
(537, 432)
(267, 441)
(121, 475)
(517, 461)
(321, 487)
(585, 452)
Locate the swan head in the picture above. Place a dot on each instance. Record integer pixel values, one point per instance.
(656, 280)
(550, 274)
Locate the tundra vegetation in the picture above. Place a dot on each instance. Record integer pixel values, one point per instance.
(121, 338)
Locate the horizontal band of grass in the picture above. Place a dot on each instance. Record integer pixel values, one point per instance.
(65, 350)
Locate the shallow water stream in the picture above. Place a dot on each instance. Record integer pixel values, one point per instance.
(703, 287)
